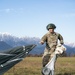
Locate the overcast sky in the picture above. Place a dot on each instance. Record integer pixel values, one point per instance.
(30, 17)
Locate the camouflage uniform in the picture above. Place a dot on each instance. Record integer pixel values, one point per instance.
(51, 41)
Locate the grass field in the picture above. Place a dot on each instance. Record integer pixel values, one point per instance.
(32, 66)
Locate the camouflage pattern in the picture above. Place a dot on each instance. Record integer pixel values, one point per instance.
(51, 43)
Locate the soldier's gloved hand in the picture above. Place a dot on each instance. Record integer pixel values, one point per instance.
(41, 42)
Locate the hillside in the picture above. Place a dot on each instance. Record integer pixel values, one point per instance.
(13, 41)
(4, 45)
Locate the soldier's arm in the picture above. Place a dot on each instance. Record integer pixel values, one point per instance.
(43, 39)
(61, 39)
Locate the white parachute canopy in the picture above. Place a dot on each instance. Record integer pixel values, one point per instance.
(49, 68)
(60, 49)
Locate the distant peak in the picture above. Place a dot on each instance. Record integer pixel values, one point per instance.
(5, 33)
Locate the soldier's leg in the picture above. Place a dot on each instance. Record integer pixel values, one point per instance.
(45, 58)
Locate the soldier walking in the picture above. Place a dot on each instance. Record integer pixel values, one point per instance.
(51, 39)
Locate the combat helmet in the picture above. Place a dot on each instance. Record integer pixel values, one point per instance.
(50, 26)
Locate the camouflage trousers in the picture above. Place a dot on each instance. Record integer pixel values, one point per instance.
(48, 54)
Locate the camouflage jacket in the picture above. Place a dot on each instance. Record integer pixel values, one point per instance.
(52, 39)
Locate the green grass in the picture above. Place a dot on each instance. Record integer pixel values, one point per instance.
(33, 65)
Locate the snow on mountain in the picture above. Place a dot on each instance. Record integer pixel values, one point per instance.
(16, 41)
(19, 41)
(70, 44)
(7, 37)
(5, 33)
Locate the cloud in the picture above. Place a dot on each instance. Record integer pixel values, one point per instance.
(69, 15)
(5, 10)
(8, 10)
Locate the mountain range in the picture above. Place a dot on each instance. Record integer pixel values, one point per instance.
(8, 41)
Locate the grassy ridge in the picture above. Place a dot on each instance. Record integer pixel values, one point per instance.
(33, 65)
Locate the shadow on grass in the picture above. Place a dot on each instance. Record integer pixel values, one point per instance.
(66, 74)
